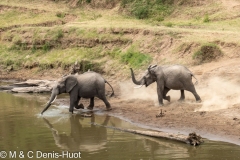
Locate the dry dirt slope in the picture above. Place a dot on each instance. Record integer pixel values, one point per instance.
(166, 44)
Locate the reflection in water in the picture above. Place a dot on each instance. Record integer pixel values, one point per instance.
(96, 139)
(81, 138)
(23, 129)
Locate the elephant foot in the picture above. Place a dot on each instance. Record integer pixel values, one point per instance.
(161, 104)
(71, 111)
(80, 106)
(181, 100)
(199, 101)
(109, 109)
(90, 107)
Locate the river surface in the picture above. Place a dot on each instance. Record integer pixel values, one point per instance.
(60, 135)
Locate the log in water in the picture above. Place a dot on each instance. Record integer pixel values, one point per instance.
(192, 138)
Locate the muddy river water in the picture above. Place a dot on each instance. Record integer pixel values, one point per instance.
(25, 134)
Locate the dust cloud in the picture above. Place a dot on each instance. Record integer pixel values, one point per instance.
(216, 93)
(128, 92)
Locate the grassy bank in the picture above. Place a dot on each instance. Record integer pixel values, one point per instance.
(124, 33)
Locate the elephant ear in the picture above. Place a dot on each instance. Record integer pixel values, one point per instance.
(150, 68)
(71, 81)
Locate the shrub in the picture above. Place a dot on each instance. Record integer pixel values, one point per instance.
(60, 15)
(207, 52)
(141, 12)
(143, 9)
(206, 19)
(46, 47)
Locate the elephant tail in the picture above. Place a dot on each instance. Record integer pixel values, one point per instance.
(111, 87)
(195, 78)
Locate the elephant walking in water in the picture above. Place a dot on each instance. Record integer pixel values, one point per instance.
(87, 85)
(176, 77)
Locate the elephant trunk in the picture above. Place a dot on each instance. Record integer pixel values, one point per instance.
(52, 99)
(134, 80)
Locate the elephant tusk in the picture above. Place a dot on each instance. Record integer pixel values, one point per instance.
(54, 99)
(138, 87)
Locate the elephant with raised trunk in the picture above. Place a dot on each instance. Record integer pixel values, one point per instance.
(87, 85)
(176, 77)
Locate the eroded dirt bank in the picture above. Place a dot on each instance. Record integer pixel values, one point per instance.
(216, 118)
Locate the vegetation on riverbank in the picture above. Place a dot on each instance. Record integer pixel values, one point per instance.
(113, 36)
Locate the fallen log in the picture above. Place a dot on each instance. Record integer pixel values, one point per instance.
(36, 89)
(192, 138)
(30, 86)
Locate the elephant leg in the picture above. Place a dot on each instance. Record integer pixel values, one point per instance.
(192, 89)
(79, 106)
(74, 99)
(91, 105)
(165, 91)
(104, 99)
(182, 96)
(160, 95)
(73, 103)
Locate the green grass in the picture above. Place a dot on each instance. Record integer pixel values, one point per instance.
(168, 24)
(47, 58)
(132, 57)
(15, 17)
(135, 59)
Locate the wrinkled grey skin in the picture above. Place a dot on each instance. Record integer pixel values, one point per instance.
(87, 85)
(176, 77)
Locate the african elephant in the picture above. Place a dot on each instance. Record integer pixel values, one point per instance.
(176, 77)
(87, 85)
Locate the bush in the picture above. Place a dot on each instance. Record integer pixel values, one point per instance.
(143, 9)
(207, 52)
(206, 19)
(60, 15)
(46, 47)
(141, 12)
